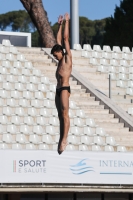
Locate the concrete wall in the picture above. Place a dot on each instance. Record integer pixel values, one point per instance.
(16, 38)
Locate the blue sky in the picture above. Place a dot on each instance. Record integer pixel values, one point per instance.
(92, 9)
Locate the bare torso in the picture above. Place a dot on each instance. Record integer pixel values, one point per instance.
(63, 73)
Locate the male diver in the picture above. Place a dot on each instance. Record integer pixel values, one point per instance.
(63, 73)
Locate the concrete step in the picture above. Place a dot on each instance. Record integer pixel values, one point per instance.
(120, 134)
(113, 90)
(106, 92)
(92, 107)
(83, 70)
(126, 139)
(125, 107)
(78, 90)
(93, 76)
(40, 64)
(125, 101)
(87, 103)
(75, 95)
(111, 129)
(52, 67)
(76, 54)
(128, 144)
(107, 120)
(28, 49)
(98, 111)
(103, 83)
(83, 98)
(41, 60)
(37, 56)
(117, 97)
(81, 61)
(109, 125)
(102, 116)
(33, 52)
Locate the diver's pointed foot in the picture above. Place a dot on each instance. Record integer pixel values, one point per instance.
(62, 147)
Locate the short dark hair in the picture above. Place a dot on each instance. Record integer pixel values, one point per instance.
(57, 48)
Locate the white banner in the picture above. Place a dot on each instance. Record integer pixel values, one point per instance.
(70, 167)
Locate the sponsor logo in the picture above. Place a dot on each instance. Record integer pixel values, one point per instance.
(81, 167)
(110, 167)
(29, 166)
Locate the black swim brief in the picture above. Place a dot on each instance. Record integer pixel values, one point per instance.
(59, 90)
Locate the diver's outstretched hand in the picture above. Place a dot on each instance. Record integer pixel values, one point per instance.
(66, 17)
(60, 19)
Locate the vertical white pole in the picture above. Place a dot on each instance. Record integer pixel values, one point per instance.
(74, 9)
(110, 86)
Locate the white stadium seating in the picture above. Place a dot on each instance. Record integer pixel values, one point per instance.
(106, 48)
(77, 47)
(87, 47)
(6, 43)
(28, 115)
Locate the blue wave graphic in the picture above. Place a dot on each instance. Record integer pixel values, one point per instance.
(80, 163)
(81, 168)
(83, 172)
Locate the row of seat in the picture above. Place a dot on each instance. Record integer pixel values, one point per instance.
(48, 139)
(70, 147)
(26, 103)
(33, 118)
(106, 55)
(48, 90)
(27, 94)
(17, 69)
(112, 62)
(24, 79)
(116, 75)
(124, 84)
(32, 111)
(121, 76)
(11, 57)
(23, 102)
(10, 49)
(22, 71)
(114, 69)
(17, 64)
(106, 48)
(51, 130)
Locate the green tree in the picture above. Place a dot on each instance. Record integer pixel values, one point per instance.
(17, 20)
(91, 31)
(36, 39)
(119, 29)
(99, 31)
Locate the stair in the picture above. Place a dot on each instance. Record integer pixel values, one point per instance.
(85, 101)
